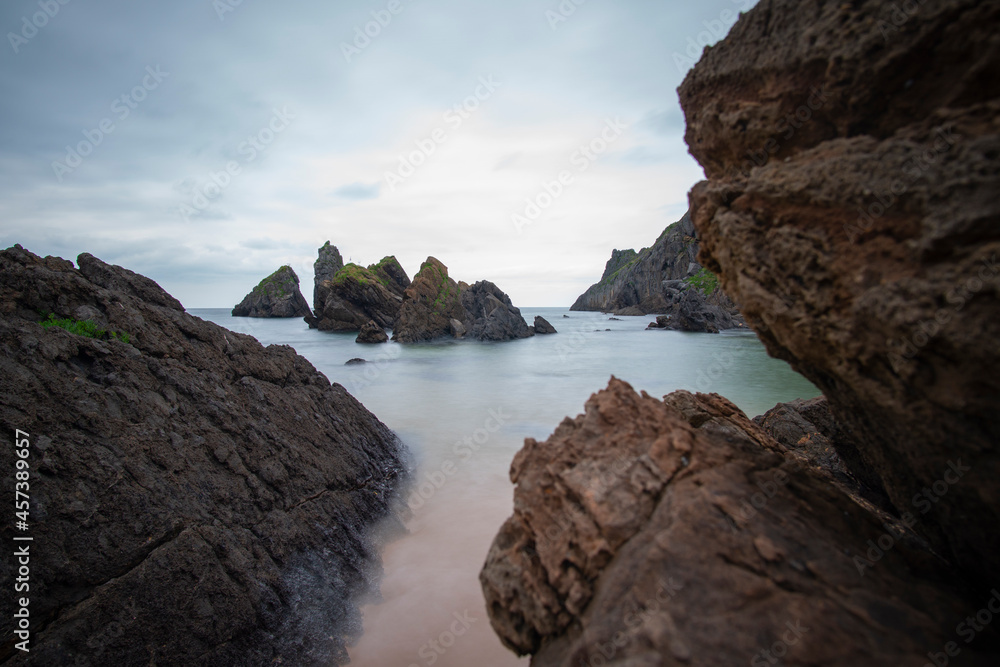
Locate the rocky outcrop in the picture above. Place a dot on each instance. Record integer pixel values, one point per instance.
(390, 273)
(277, 295)
(689, 308)
(851, 212)
(678, 532)
(430, 304)
(372, 333)
(354, 297)
(196, 498)
(635, 284)
(435, 306)
(490, 315)
(327, 264)
(542, 326)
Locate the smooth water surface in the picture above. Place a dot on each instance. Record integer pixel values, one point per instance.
(464, 408)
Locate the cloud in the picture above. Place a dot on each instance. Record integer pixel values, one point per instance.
(358, 191)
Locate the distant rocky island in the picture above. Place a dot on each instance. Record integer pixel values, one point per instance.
(349, 297)
(664, 279)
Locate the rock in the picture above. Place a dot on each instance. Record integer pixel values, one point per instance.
(650, 532)
(863, 251)
(277, 295)
(372, 333)
(429, 305)
(325, 268)
(490, 315)
(636, 284)
(689, 309)
(457, 329)
(614, 319)
(566, 316)
(196, 498)
(355, 361)
(392, 276)
(542, 326)
(355, 296)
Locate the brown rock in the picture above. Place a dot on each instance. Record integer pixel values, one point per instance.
(863, 248)
(430, 303)
(353, 297)
(277, 295)
(372, 333)
(678, 532)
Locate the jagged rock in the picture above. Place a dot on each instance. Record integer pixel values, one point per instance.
(196, 498)
(457, 329)
(542, 326)
(391, 274)
(490, 315)
(677, 532)
(640, 283)
(689, 309)
(372, 333)
(355, 296)
(861, 241)
(277, 295)
(327, 264)
(429, 304)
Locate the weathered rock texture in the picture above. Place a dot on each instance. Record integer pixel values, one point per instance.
(542, 326)
(327, 264)
(277, 295)
(863, 248)
(372, 333)
(196, 498)
(354, 297)
(690, 309)
(678, 532)
(435, 306)
(649, 281)
(490, 315)
(391, 274)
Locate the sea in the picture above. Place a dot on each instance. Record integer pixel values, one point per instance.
(463, 409)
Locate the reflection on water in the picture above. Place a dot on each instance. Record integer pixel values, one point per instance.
(464, 409)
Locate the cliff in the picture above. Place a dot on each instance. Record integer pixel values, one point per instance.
(277, 295)
(851, 213)
(196, 498)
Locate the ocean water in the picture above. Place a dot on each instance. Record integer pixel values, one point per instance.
(463, 409)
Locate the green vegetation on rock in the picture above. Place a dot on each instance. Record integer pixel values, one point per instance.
(86, 328)
(704, 281)
(353, 272)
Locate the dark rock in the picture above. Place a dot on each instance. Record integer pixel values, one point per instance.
(864, 251)
(277, 295)
(372, 333)
(429, 305)
(355, 296)
(542, 326)
(391, 274)
(631, 311)
(196, 498)
(615, 319)
(355, 361)
(636, 531)
(490, 315)
(566, 316)
(325, 268)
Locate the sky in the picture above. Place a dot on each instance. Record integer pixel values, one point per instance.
(205, 143)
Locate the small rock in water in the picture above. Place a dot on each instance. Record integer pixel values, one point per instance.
(355, 361)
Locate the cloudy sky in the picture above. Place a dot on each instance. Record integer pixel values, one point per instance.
(204, 143)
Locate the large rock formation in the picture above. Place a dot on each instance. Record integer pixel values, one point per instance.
(647, 282)
(390, 273)
(490, 315)
(690, 307)
(852, 213)
(277, 295)
(435, 306)
(372, 333)
(678, 532)
(354, 297)
(542, 326)
(196, 498)
(327, 264)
